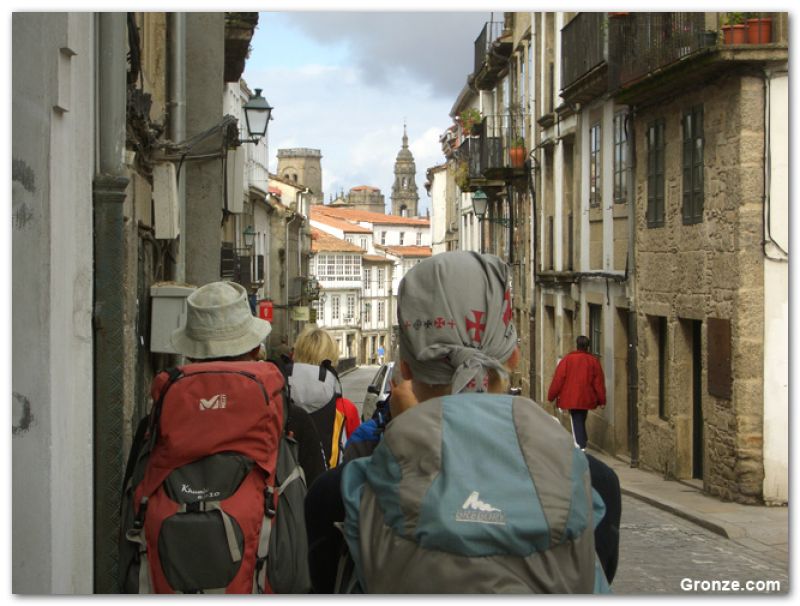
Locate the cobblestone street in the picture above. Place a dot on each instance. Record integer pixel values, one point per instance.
(658, 550)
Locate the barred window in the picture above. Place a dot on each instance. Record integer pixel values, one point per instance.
(335, 302)
(351, 306)
(381, 313)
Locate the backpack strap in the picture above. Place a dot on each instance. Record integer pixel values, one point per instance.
(155, 415)
(327, 366)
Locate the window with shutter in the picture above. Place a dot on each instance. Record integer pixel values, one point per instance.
(655, 173)
(227, 261)
(259, 277)
(693, 188)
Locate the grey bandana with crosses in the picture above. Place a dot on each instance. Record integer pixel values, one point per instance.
(454, 311)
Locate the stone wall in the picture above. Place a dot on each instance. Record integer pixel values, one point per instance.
(712, 269)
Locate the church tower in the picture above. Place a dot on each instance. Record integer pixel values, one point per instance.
(404, 191)
(304, 167)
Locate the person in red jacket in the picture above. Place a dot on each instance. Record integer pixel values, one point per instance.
(578, 385)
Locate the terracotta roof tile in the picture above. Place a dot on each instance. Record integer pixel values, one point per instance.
(324, 242)
(376, 259)
(409, 251)
(345, 226)
(366, 216)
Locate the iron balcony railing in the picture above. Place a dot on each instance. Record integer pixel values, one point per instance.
(643, 43)
(584, 47)
(483, 43)
(498, 148)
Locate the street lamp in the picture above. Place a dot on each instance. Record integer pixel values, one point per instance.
(257, 114)
(480, 202)
(249, 236)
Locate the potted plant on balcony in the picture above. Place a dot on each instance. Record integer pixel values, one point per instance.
(759, 29)
(734, 31)
(462, 175)
(516, 152)
(470, 120)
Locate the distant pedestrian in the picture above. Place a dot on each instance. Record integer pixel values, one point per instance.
(315, 388)
(578, 386)
(381, 353)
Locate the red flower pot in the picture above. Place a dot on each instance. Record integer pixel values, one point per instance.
(734, 34)
(759, 31)
(517, 157)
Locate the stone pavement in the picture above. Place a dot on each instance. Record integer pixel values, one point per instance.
(761, 528)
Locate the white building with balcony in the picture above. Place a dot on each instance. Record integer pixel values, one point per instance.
(337, 266)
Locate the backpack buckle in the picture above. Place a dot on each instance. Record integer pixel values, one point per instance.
(138, 521)
(269, 500)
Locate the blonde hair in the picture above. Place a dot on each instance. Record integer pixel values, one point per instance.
(314, 345)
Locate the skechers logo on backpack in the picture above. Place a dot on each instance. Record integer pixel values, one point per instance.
(475, 510)
(216, 402)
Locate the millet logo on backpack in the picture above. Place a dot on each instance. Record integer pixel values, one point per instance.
(216, 402)
(475, 510)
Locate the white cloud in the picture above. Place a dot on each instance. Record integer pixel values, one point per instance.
(358, 81)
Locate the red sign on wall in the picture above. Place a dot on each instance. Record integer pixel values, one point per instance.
(265, 310)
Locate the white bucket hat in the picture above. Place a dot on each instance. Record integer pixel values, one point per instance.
(219, 323)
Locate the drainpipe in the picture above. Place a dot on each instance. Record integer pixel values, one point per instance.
(177, 125)
(286, 283)
(633, 368)
(109, 189)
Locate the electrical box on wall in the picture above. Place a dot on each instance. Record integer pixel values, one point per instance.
(234, 181)
(168, 307)
(165, 201)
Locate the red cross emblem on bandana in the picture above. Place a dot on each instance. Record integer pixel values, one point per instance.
(476, 325)
(439, 322)
(507, 304)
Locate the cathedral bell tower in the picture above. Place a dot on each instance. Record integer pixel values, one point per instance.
(404, 191)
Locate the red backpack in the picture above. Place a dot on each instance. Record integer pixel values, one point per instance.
(213, 494)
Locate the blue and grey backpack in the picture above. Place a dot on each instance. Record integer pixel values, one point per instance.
(473, 493)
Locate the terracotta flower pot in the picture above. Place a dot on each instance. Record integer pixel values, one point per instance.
(759, 31)
(517, 157)
(734, 34)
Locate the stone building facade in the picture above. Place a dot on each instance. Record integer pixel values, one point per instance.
(365, 197)
(303, 165)
(700, 292)
(654, 223)
(128, 98)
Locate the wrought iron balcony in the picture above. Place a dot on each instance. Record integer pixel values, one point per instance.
(584, 57)
(498, 152)
(492, 50)
(650, 52)
(483, 43)
(641, 44)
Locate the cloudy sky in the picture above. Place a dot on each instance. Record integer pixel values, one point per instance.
(344, 82)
